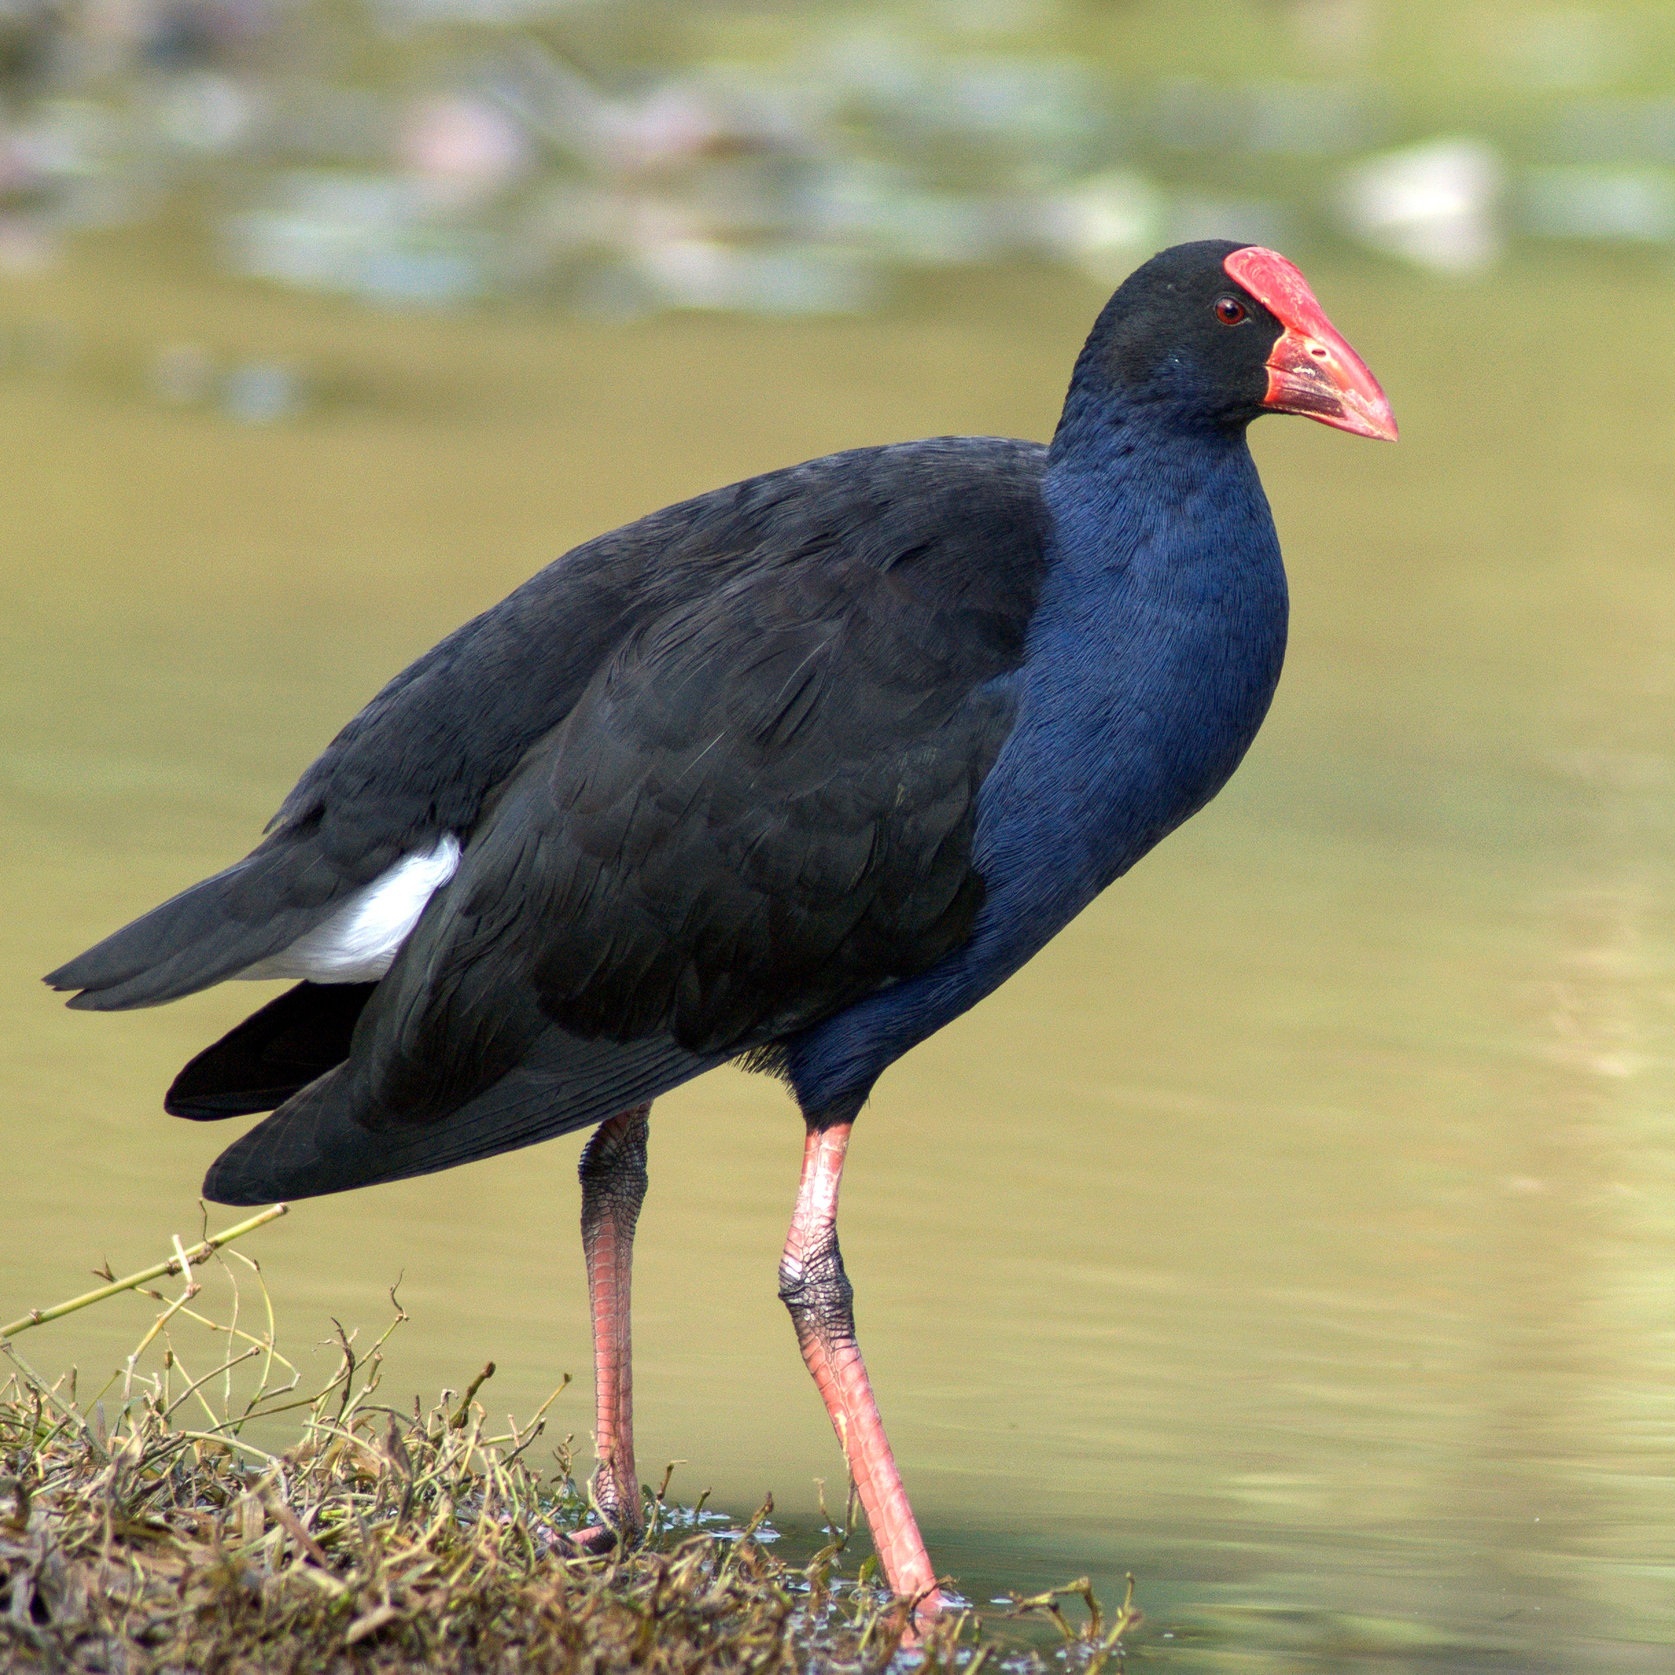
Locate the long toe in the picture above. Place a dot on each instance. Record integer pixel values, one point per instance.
(590, 1543)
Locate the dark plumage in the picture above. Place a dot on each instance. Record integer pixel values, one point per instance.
(719, 770)
(273, 1054)
(796, 771)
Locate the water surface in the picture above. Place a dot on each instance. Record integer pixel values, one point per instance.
(1297, 1231)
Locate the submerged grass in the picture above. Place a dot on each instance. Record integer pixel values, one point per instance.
(144, 1528)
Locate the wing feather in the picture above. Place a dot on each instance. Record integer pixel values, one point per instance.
(760, 810)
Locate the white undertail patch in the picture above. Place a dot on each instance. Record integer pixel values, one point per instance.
(360, 940)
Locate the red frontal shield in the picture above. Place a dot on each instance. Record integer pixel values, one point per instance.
(1311, 369)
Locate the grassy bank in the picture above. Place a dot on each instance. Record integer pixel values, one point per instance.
(202, 1510)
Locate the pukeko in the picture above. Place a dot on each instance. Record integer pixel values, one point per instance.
(789, 774)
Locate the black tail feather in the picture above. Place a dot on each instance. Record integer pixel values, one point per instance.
(273, 1054)
(216, 929)
(316, 1143)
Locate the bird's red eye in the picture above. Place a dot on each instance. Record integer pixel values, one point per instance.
(1230, 311)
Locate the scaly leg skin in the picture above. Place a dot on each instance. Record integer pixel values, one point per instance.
(816, 1290)
(613, 1174)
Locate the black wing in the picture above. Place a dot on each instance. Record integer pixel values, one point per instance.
(759, 809)
(423, 757)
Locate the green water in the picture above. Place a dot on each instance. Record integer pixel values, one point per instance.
(1298, 1231)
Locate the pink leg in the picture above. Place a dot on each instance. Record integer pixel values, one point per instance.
(613, 1172)
(817, 1292)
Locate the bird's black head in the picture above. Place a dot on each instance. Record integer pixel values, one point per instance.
(1217, 333)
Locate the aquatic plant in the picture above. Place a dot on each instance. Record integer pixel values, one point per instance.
(162, 1522)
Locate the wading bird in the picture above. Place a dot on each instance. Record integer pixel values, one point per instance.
(792, 773)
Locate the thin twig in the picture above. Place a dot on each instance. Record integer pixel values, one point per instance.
(176, 1264)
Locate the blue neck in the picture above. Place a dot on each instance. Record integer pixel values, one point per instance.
(1151, 661)
(1153, 654)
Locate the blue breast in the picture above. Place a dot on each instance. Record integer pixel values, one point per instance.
(1151, 661)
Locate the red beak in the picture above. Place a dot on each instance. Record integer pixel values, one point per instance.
(1311, 370)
